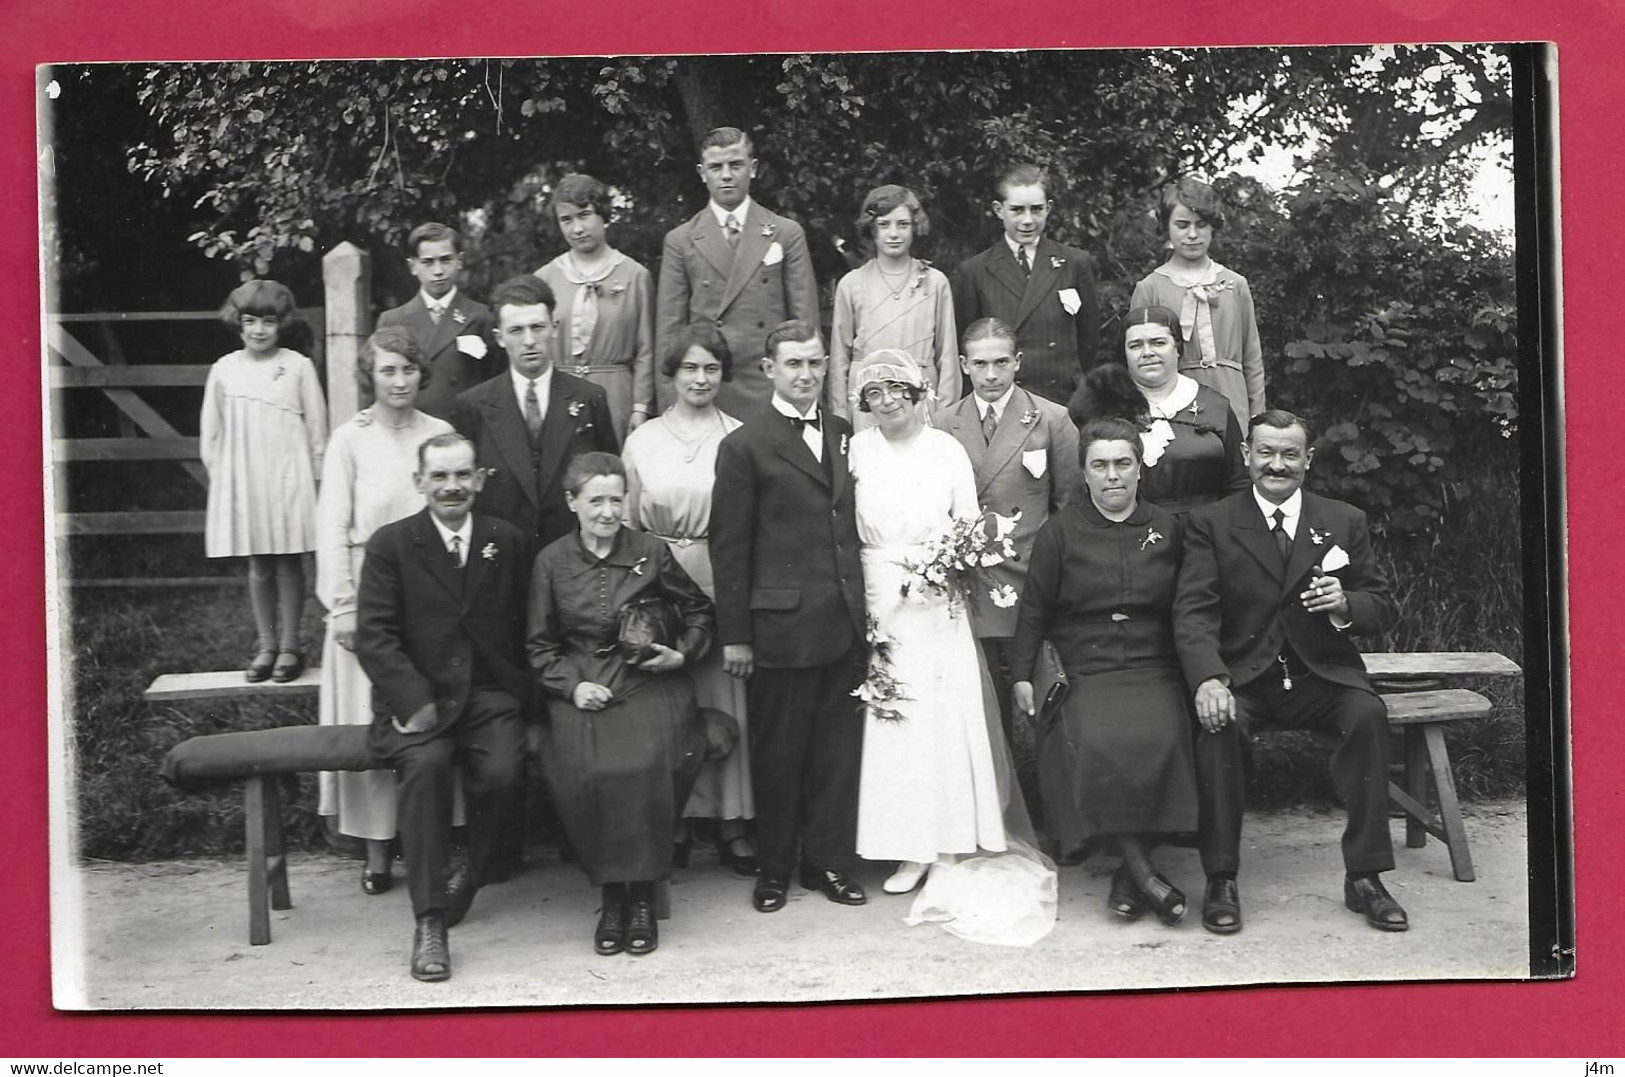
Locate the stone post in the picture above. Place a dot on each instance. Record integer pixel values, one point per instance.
(347, 280)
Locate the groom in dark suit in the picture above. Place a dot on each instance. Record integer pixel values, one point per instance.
(528, 425)
(790, 616)
(1274, 585)
(1044, 289)
(440, 632)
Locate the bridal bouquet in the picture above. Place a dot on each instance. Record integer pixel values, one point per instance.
(953, 562)
(880, 689)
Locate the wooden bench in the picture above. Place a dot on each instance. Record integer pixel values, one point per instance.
(1406, 682)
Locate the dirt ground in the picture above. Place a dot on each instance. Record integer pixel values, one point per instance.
(174, 934)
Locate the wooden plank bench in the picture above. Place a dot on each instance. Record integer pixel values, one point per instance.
(262, 799)
(1422, 713)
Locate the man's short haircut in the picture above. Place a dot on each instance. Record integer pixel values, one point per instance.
(579, 189)
(1198, 197)
(525, 290)
(988, 329)
(1280, 419)
(793, 331)
(396, 340)
(721, 137)
(881, 201)
(697, 335)
(433, 232)
(440, 441)
(1022, 175)
(592, 465)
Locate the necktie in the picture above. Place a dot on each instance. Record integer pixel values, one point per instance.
(457, 551)
(1023, 262)
(436, 313)
(731, 228)
(533, 412)
(1283, 541)
(990, 424)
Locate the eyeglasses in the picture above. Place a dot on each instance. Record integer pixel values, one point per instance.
(874, 394)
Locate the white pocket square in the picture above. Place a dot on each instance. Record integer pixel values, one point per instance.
(1036, 461)
(1335, 559)
(774, 255)
(1070, 300)
(471, 345)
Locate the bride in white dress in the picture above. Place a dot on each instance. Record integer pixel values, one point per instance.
(935, 785)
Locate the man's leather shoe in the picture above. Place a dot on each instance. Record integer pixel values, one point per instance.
(835, 885)
(770, 893)
(431, 955)
(1221, 905)
(460, 889)
(1366, 895)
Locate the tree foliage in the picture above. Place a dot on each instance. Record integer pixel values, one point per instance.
(1385, 318)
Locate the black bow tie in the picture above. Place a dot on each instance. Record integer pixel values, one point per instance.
(799, 423)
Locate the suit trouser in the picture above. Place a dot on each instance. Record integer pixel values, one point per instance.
(488, 740)
(806, 746)
(1359, 766)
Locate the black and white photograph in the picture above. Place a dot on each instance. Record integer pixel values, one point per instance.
(801, 527)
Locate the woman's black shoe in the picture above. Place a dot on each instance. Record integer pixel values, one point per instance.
(610, 937)
(1165, 898)
(642, 936)
(744, 864)
(376, 882)
(1125, 899)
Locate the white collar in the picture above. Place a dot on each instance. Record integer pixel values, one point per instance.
(998, 405)
(466, 532)
(1032, 249)
(1183, 395)
(1291, 508)
(784, 407)
(443, 303)
(740, 212)
(544, 380)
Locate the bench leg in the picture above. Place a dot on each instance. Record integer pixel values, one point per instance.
(1449, 808)
(1416, 784)
(259, 913)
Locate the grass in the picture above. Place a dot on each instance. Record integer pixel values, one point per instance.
(1462, 594)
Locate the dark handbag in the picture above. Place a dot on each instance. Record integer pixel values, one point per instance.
(645, 620)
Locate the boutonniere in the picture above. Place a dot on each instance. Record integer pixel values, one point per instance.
(769, 231)
(1056, 262)
(490, 552)
(843, 444)
(1319, 537)
(1195, 408)
(574, 409)
(1152, 537)
(617, 288)
(1029, 417)
(459, 317)
(281, 369)
(637, 569)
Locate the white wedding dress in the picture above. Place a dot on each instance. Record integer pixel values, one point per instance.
(937, 786)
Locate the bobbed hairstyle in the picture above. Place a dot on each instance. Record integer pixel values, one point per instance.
(1198, 197)
(579, 189)
(1025, 174)
(1108, 391)
(697, 335)
(262, 299)
(525, 290)
(793, 331)
(720, 137)
(881, 201)
(1107, 429)
(397, 341)
(433, 232)
(591, 465)
(440, 441)
(1281, 419)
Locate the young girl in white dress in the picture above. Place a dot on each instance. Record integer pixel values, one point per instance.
(261, 435)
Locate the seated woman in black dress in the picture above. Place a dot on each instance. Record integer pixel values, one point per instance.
(1189, 440)
(1115, 763)
(622, 741)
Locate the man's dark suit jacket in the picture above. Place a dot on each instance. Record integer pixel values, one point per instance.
(421, 624)
(522, 487)
(784, 543)
(1056, 347)
(453, 371)
(1236, 606)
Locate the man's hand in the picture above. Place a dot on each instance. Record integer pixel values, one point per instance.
(591, 697)
(1325, 595)
(1215, 706)
(739, 659)
(664, 660)
(422, 721)
(1021, 696)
